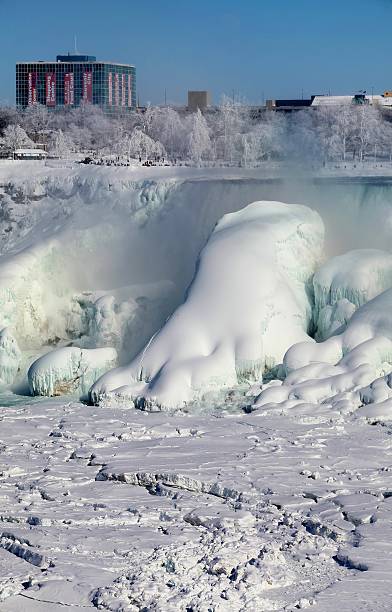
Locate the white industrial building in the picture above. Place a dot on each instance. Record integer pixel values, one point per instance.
(376, 99)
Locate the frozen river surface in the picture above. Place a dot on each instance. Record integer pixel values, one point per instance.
(122, 510)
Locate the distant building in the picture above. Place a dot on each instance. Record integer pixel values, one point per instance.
(29, 154)
(384, 100)
(76, 79)
(288, 105)
(198, 99)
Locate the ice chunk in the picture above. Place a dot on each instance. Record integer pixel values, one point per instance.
(247, 304)
(69, 370)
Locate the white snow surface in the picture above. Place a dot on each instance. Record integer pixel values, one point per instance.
(265, 495)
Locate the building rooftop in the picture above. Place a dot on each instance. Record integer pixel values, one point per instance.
(32, 152)
(77, 59)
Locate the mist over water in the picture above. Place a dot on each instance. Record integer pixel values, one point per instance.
(356, 214)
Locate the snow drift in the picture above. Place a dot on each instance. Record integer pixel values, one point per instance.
(246, 305)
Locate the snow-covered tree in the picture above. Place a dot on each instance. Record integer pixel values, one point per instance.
(61, 144)
(385, 140)
(344, 128)
(8, 115)
(37, 120)
(81, 137)
(199, 139)
(141, 145)
(172, 134)
(264, 140)
(330, 144)
(367, 130)
(231, 121)
(15, 137)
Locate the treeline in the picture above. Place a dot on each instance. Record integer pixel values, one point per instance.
(227, 135)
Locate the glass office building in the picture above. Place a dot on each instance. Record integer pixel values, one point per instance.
(76, 79)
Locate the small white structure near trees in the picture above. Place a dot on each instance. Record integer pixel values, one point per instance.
(29, 154)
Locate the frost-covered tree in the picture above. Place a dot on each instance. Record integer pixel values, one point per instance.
(15, 137)
(327, 132)
(227, 134)
(141, 145)
(80, 136)
(367, 130)
(264, 140)
(172, 135)
(166, 126)
(61, 144)
(199, 138)
(385, 140)
(344, 117)
(36, 120)
(8, 115)
(228, 125)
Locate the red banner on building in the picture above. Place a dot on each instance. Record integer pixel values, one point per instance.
(69, 96)
(129, 90)
(116, 89)
(32, 88)
(50, 89)
(110, 89)
(87, 86)
(123, 90)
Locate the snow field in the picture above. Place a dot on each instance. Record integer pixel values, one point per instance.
(121, 509)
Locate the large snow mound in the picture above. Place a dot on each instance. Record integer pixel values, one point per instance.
(247, 304)
(346, 282)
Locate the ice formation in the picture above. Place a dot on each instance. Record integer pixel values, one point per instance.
(121, 318)
(10, 357)
(345, 363)
(346, 282)
(69, 370)
(246, 305)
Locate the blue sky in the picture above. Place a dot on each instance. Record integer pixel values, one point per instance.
(256, 48)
